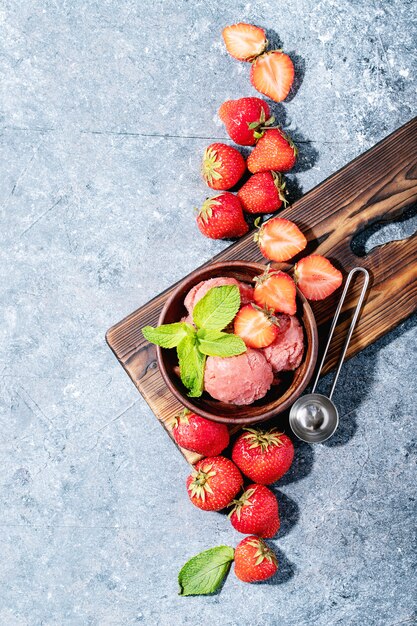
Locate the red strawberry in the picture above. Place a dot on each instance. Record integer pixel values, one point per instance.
(274, 151)
(316, 277)
(254, 561)
(245, 118)
(244, 42)
(276, 290)
(214, 483)
(223, 166)
(221, 217)
(263, 193)
(263, 455)
(279, 239)
(257, 327)
(198, 434)
(256, 512)
(273, 74)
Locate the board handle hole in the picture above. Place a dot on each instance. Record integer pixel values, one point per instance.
(382, 232)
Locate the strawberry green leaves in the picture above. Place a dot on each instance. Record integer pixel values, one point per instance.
(205, 572)
(211, 314)
(217, 308)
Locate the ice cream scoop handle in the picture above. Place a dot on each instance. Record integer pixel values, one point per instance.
(354, 271)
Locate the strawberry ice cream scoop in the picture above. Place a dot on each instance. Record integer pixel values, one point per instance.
(198, 291)
(238, 379)
(286, 351)
(246, 293)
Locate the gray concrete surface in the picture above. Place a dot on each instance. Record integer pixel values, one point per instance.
(106, 108)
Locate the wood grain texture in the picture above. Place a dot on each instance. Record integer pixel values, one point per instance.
(377, 186)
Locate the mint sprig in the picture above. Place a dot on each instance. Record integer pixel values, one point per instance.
(168, 335)
(205, 572)
(192, 363)
(217, 308)
(211, 315)
(216, 343)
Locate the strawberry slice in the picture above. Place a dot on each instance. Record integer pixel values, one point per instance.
(273, 74)
(316, 277)
(244, 42)
(257, 328)
(276, 290)
(279, 239)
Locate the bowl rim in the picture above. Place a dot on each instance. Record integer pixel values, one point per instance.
(188, 282)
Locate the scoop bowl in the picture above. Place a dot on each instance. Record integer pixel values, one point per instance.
(278, 399)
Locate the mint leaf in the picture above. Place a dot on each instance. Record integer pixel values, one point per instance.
(217, 308)
(192, 363)
(216, 343)
(205, 572)
(168, 335)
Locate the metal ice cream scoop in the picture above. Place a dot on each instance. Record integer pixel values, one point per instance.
(314, 417)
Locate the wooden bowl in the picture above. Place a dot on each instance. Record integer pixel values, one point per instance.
(278, 399)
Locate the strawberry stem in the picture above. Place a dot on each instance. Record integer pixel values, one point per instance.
(263, 438)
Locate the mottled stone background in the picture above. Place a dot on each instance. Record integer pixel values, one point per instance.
(106, 108)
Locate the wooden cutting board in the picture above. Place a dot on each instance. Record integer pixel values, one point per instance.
(377, 186)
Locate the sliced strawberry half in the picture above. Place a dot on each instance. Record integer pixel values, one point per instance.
(276, 290)
(279, 239)
(273, 74)
(255, 326)
(244, 42)
(316, 277)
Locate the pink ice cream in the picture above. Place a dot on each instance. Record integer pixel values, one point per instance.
(198, 291)
(238, 379)
(246, 293)
(188, 319)
(286, 352)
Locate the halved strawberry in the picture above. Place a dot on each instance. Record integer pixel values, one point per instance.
(257, 327)
(273, 74)
(279, 239)
(244, 41)
(276, 290)
(316, 277)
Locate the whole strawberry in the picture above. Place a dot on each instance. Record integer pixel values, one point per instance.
(263, 455)
(221, 217)
(263, 193)
(254, 561)
(223, 166)
(245, 118)
(195, 433)
(256, 511)
(214, 483)
(274, 151)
